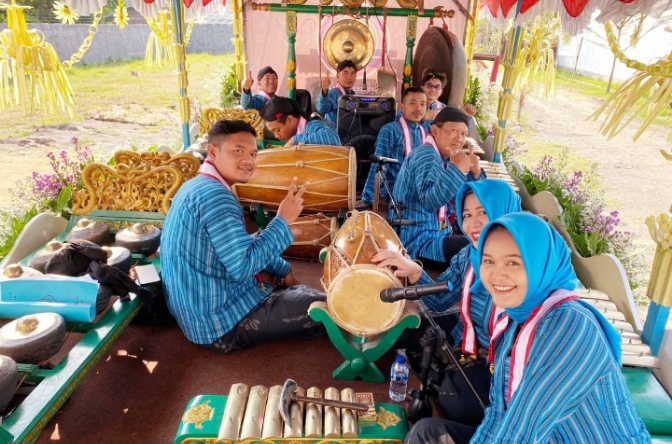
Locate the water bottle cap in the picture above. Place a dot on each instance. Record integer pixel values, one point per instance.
(401, 359)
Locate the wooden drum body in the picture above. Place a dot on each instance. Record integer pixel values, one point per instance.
(311, 235)
(331, 171)
(353, 282)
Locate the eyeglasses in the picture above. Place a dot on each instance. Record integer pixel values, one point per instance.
(436, 87)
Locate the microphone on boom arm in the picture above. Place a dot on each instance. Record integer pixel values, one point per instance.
(414, 293)
(382, 160)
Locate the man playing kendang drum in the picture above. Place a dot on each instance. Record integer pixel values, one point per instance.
(327, 101)
(285, 119)
(428, 180)
(219, 280)
(397, 139)
(268, 85)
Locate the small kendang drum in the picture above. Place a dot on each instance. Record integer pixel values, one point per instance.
(353, 282)
(311, 235)
(331, 171)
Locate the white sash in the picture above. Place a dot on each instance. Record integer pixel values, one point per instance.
(341, 89)
(300, 126)
(208, 170)
(429, 140)
(408, 140)
(520, 353)
(265, 95)
(469, 334)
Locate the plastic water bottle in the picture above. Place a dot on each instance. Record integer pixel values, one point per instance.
(399, 379)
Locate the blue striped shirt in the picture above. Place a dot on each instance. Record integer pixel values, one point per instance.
(249, 101)
(572, 390)
(328, 106)
(390, 143)
(318, 133)
(209, 261)
(424, 185)
(481, 303)
(436, 106)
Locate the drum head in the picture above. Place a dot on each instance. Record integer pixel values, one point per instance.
(353, 299)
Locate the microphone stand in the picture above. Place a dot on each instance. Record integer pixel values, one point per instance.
(434, 336)
(395, 205)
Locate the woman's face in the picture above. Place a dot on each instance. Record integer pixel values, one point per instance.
(433, 89)
(474, 218)
(503, 271)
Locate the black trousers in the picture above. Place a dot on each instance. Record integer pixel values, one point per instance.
(456, 399)
(439, 431)
(284, 314)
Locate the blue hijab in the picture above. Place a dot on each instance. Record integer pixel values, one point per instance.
(548, 264)
(497, 199)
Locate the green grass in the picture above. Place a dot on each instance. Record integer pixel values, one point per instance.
(97, 87)
(597, 88)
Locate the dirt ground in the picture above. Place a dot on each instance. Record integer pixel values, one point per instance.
(633, 174)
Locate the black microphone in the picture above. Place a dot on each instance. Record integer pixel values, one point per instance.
(380, 159)
(414, 293)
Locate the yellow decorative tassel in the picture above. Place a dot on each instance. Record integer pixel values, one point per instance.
(160, 43)
(654, 81)
(30, 71)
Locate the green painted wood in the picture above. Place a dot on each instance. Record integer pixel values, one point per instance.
(652, 402)
(411, 29)
(211, 409)
(358, 363)
(310, 9)
(291, 54)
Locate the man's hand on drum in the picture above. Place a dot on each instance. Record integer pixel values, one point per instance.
(400, 264)
(249, 81)
(290, 208)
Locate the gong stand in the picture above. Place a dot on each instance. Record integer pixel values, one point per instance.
(347, 45)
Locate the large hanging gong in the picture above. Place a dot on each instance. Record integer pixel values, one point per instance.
(348, 40)
(441, 51)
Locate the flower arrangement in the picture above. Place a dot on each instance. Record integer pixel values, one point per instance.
(44, 192)
(593, 229)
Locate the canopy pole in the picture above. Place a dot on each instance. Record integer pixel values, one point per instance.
(177, 17)
(411, 28)
(239, 65)
(291, 54)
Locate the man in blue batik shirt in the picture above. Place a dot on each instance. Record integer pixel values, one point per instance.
(285, 119)
(327, 100)
(397, 139)
(268, 85)
(220, 282)
(428, 180)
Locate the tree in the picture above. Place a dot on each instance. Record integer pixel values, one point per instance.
(634, 27)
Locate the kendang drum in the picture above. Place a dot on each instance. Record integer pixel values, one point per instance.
(353, 282)
(331, 171)
(311, 234)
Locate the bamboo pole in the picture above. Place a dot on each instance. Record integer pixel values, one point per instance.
(177, 17)
(395, 12)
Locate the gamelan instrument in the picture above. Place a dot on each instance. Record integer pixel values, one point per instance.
(495, 170)
(252, 414)
(34, 338)
(311, 234)
(92, 230)
(441, 51)
(139, 238)
(349, 40)
(331, 171)
(353, 282)
(9, 378)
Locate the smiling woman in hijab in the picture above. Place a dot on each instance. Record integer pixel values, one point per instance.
(556, 373)
(476, 203)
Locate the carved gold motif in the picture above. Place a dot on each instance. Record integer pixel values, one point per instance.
(251, 116)
(198, 414)
(387, 419)
(139, 182)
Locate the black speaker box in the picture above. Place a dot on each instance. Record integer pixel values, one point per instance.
(359, 120)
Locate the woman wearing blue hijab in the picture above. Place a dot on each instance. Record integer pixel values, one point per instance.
(476, 204)
(556, 374)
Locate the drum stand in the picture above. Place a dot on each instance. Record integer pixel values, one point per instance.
(361, 352)
(420, 407)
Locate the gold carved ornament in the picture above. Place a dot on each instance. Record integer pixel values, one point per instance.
(198, 414)
(139, 182)
(212, 115)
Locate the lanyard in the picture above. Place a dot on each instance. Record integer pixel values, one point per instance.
(408, 140)
(265, 95)
(300, 126)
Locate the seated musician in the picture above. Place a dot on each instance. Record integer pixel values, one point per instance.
(397, 139)
(477, 203)
(433, 84)
(219, 281)
(428, 180)
(327, 101)
(284, 117)
(557, 360)
(268, 85)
